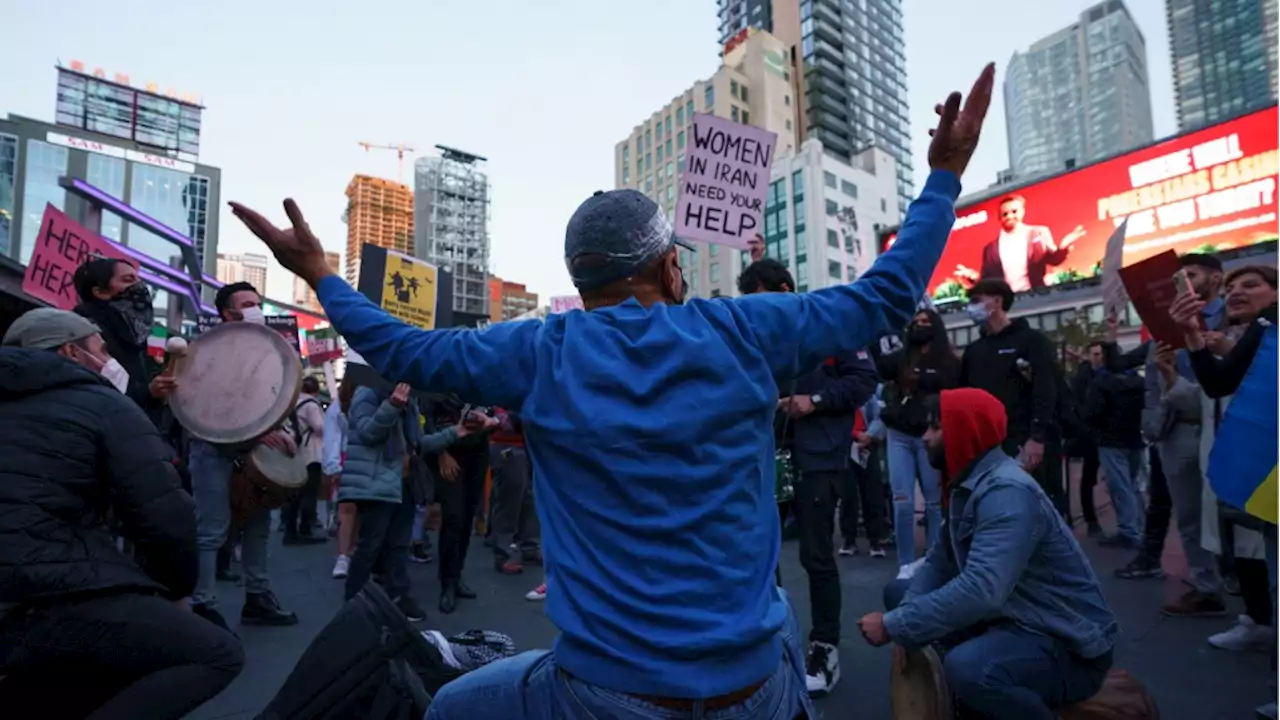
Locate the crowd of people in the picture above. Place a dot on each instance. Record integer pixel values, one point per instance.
(117, 525)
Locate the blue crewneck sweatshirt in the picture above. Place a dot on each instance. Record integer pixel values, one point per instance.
(651, 436)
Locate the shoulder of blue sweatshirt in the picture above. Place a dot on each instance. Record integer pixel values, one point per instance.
(793, 331)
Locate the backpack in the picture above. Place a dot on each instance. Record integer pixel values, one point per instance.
(302, 435)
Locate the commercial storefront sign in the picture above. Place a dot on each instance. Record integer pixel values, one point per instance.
(114, 151)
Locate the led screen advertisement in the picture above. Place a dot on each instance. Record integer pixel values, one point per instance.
(1206, 191)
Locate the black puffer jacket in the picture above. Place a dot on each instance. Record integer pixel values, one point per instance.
(73, 451)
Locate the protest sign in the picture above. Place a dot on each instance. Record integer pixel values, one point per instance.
(323, 346)
(724, 183)
(1150, 286)
(62, 246)
(404, 286)
(565, 303)
(286, 325)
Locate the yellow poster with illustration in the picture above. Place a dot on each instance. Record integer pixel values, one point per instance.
(409, 290)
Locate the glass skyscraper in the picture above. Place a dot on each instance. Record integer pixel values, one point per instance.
(1223, 56)
(848, 60)
(1078, 95)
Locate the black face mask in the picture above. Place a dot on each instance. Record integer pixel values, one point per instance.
(918, 335)
(134, 304)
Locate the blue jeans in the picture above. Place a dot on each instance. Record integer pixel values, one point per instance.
(531, 687)
(908, 461)
(211, 490)
(1003, 671)
(1122, 466)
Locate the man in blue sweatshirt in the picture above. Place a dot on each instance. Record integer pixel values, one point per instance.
(649, 422)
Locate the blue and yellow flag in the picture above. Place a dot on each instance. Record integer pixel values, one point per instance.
(1242, 464)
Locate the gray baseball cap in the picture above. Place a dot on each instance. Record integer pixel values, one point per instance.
(623, 229)
(48, 328)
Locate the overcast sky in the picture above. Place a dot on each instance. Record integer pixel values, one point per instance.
(543, 89)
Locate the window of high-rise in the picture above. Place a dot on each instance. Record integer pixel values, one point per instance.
(1223, 55)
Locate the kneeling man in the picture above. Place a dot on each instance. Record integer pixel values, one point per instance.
(1007, 594)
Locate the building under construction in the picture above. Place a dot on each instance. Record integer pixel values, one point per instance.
(451, 210)
(379, 212)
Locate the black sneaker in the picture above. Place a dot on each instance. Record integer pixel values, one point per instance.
(264, 609)
(410, 609)
(1142, 568)
(822, 668)
(419, 553)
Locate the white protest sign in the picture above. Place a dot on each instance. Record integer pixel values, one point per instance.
(565, 303)
(724, 183)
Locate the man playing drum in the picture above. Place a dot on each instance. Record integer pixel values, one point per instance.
(211, 469)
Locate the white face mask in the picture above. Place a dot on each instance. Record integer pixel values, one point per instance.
(115, 374)
(253, 315)
(978, 313)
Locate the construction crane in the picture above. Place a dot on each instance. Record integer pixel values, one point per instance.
(400, 149)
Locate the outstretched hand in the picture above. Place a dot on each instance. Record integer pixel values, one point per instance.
(296, 248)
(956, 136)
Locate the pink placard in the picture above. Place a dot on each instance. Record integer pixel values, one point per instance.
(724, 183)
(565, 303)
(62, 246)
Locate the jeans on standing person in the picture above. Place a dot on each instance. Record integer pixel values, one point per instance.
(513, 513)
(116, 657)
(383, 539)
(459, 500)
(211, 484)
(864, 490)
(530, 686)
(299, 514)
(1121, 466)
(908, 461)
(815, 509)
(1004, 671)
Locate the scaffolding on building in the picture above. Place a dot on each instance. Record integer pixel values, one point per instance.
(451, 213)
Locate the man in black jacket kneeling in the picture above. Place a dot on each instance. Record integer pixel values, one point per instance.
(84, 629)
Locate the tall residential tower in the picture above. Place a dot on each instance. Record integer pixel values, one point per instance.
(451, 206)
(848, 63)
(379, 212)
(1224, 58)
(1078, 95)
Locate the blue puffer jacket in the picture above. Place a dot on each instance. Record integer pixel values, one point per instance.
(378, 438)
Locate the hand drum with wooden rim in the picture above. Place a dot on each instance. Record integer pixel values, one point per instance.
(237, 381)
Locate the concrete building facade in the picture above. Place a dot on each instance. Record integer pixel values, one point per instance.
(246, 267)
(451, 208)
(509, 300)
(379, 212)
(1078, 95)
(303, 295)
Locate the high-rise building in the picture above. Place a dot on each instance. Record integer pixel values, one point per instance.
(752, 87)
(246, 267)
(303, 295)
(848, 64)
(1224, 58)
(451, 205)
(509, 300)
(379, 212)
(1079, 94)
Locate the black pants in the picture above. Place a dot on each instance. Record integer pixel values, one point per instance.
(512, 512)
(459, 500)
(1088, 481)
(1159, 508)
(299, 514)
(123, 656)
(1255, 589)
(864, 489)
(815, 510)
(1049, 474)
(382, 544)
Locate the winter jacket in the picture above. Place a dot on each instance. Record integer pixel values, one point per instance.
(991, 363)
(379, 438)
(75, 451)
(820, 441)
(1113, 409)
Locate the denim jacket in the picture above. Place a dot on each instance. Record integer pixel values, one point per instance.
(1005, 555)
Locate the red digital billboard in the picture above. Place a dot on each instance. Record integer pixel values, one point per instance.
(1204, 191)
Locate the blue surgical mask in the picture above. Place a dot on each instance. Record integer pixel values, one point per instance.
(978, 313)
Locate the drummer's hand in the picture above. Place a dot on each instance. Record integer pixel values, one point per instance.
(449, 467)
(400, 396)
(873, 629)
(296, 248)
(281, 441)
(162, 386)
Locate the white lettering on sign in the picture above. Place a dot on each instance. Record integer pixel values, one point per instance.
(970, 220)
(160, 161)
(85, 144)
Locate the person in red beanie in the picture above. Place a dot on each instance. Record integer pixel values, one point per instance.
(1006, 592)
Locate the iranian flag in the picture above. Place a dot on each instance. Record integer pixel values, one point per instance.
(155, 343)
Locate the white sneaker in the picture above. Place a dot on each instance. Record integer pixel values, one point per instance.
(1246, 636)
(341, 566)
(822, 668)
(538, 593)
(908, 571)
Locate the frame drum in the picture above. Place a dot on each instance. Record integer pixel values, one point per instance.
(237, 382)
(266, 480)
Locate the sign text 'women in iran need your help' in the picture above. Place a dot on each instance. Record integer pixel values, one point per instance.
(724, 183)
